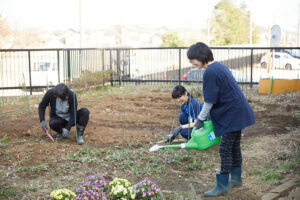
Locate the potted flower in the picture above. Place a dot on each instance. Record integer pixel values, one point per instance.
(121, 189)
(93, 187)
(95, 181)
(91, 194)
(146, 190)
(62, 194)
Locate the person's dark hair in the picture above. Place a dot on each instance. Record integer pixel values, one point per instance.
(178, 91)
(200, 52)
(62, 91)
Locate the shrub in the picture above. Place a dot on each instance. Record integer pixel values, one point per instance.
(91, 79)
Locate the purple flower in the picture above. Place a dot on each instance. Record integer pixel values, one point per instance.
(92, 188)
(146, 189)
(89, 195)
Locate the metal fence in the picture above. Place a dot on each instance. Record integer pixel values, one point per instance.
(35, 69)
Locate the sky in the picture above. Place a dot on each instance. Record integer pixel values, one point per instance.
(98, 14)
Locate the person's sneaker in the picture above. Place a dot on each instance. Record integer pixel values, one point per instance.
(59, 136)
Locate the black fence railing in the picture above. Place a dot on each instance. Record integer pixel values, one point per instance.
(35, 69)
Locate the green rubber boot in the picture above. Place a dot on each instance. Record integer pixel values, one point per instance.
(235, 178)
(222, 187)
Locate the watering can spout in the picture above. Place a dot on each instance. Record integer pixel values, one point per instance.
(182, 146)
(188, 145)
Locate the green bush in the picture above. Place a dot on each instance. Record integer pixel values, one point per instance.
(91, 79)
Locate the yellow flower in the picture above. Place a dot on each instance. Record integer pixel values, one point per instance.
(125, 192)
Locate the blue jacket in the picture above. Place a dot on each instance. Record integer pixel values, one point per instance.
(231, 110)
(192, 108)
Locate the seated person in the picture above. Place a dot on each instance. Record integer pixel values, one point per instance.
(190, 109)
(63, 112)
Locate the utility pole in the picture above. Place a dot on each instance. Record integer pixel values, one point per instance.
(250, 28)
(298, 25)
(82, 68)
(208, 24)
(80, 23)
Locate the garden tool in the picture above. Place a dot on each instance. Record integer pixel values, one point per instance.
(201, 139)
(49, 135)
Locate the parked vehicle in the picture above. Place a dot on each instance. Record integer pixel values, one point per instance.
(194, 75)
(293, 52)
(280, 60)
(197, 75)
(44, 72)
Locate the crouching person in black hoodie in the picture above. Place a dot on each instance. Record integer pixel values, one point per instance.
(63, 112)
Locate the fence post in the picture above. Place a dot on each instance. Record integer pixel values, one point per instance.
(179, 74)
(118, 66)
(251, 66)
(129, 61)
(102, 55)
(69, 64)
(29, 63)
(58, 67)
(111, 70)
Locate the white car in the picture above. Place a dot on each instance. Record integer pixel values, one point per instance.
(280, 61)
(197, 75)
(44, 73)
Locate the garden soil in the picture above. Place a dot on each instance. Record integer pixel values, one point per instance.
(139, 117)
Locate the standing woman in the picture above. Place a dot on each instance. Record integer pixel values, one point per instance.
(230, 113)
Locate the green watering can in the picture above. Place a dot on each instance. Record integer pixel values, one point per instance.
(201, 139)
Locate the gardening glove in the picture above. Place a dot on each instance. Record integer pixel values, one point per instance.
(169, 138)
(198, 124)
(65, 132)
(175, 133)
(44, 125)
